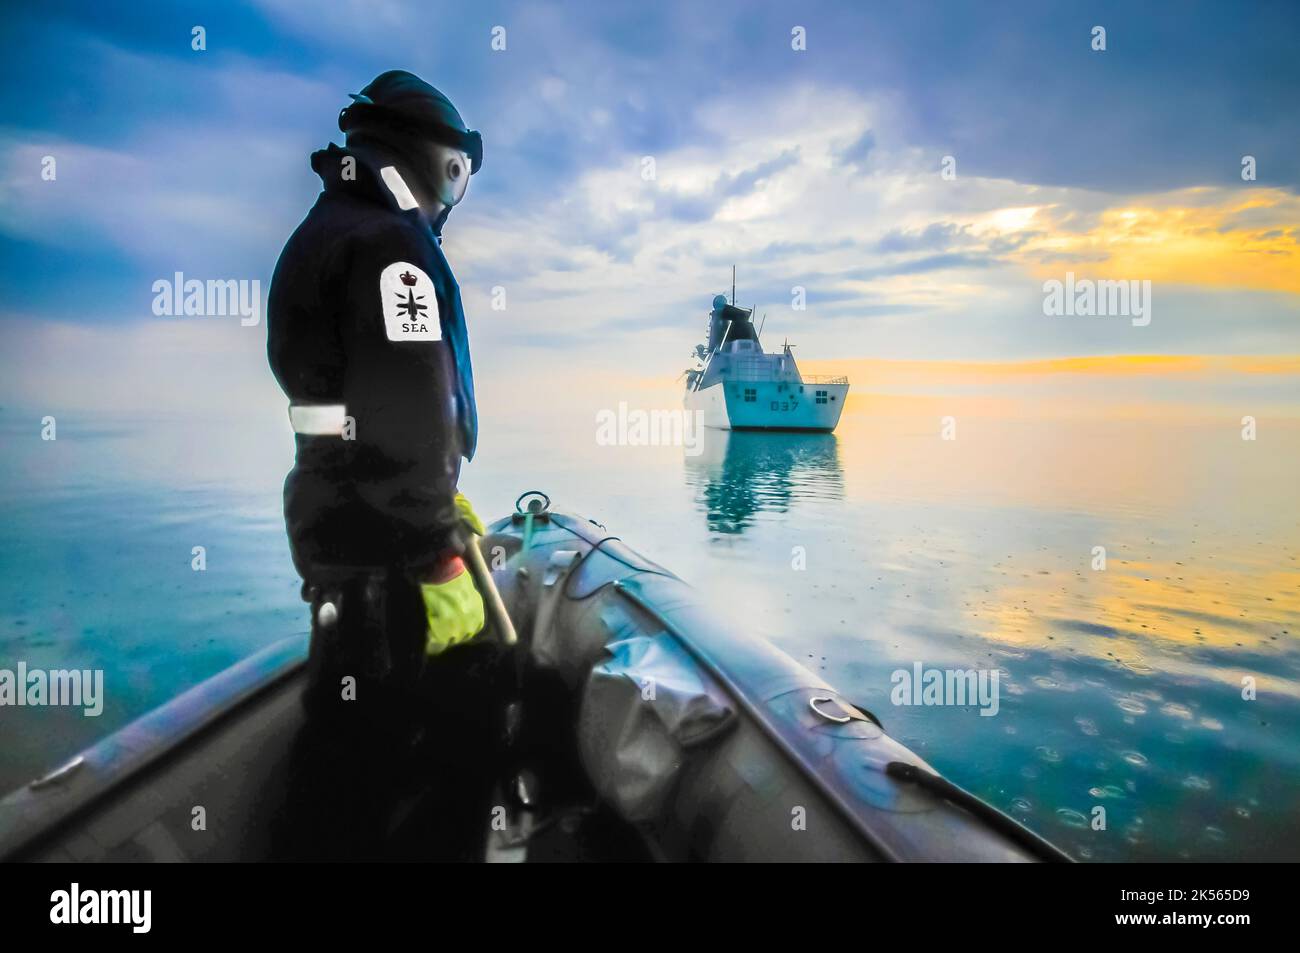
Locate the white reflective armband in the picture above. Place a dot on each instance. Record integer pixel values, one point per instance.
(318, 420)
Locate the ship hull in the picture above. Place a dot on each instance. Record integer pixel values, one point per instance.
(769, 405)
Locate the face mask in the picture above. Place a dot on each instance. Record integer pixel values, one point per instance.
(450, 174)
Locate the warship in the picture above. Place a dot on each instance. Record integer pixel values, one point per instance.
(739, 386)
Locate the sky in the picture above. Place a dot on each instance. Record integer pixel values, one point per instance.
(818, 169)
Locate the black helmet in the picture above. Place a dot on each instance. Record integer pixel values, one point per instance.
(403, 101)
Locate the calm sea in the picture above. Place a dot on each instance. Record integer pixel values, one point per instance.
(860, 553)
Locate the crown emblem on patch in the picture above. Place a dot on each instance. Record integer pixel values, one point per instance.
(408, 279)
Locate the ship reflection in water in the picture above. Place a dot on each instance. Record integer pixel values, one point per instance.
(738, 476)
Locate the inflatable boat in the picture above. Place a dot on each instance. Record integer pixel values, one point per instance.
(637, 725)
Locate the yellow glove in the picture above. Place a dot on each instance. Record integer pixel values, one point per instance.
(468, 516)
(453, 607)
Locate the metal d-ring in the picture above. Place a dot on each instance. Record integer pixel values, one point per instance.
(539, 503)
(819, 699)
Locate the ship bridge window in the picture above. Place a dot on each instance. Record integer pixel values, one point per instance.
(751, 395)
(821, 396)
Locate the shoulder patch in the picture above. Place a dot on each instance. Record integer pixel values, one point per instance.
(410, 304)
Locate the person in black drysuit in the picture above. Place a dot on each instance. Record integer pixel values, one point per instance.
(345, 329)
(367, 338)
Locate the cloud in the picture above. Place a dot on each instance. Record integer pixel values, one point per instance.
(817, 171)
(1220, 237)
(936, 235)
(893, 260)
(857, 153)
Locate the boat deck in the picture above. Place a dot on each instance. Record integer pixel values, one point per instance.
(270, 785)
